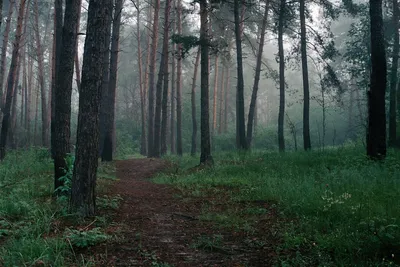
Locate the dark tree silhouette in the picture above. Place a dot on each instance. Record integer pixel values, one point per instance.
(376, 132)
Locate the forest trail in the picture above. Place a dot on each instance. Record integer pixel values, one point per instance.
(157, 226)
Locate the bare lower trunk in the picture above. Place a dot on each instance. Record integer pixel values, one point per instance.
(193, 101)
(83, 197)
(109, 141)
(376, 134)
(281, 138)
(152, 66)
(205, 156)
(164, 107)
(179, 86)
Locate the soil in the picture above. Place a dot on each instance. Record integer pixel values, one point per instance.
(159, 225)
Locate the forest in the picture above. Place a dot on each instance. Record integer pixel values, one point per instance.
(199, 133)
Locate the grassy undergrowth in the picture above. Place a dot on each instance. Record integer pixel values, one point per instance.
(338, 208)
(33, 231)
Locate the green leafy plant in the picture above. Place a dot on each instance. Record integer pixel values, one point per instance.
(107, 202)
(87, 238)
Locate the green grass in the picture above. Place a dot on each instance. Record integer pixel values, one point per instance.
(339, 208)
(32, 230)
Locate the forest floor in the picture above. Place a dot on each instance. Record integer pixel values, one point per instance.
(160, 225)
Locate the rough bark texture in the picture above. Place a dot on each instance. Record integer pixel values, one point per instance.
(10, 80)
(205, 156)
(63, 90)
(57, 35)
(157, 114)
(107, 153)
(152, 66)
(252, 108)
(4, 52)
(28, 100)
(179, 85)
(104, 116)
(227, 89)
(87, 145)
(281, 116)
(393, 76)
(240, 122)
(376, 134)
(193, 101)
(306, 85)
(164, 111)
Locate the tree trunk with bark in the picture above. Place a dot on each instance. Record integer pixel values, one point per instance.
(240, 122)
(281, 116)
(376, 134)
(3, 58)
(215, 96)
(173, 96)
(306, 85)
(63, 90)
(393, 76)
(104, 109)
(87, 146)
(57, 40)
(152, 66)
(205, 156)
(179, 85)
(252, 108)
(164, 104)
(193, 102)
(107, 154)
(11, 79)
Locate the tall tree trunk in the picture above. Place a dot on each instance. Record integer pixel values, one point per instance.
(393, 76)
(13, 128)
(193, 101)
(77, 67)
(215, 97)
(351, 115)
(227, 89)
(10, 80)
(3, 58)
(281, 116)
(45, 133)
(240, 122)
(152, 66)
(87, 146)
(141, 85)
(107, 153)
(57, 41)
(104, 105)
(306, 86)
(179, 86)
(36, 123)
(173, 94)
(376, 134)
(28, 100)
(157, 114)
(166, 79)
(221, 100)
(143, 150)
(253, 102)
(63, 90)
(205, 156)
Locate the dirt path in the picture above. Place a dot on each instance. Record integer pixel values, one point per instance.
(156, 227)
